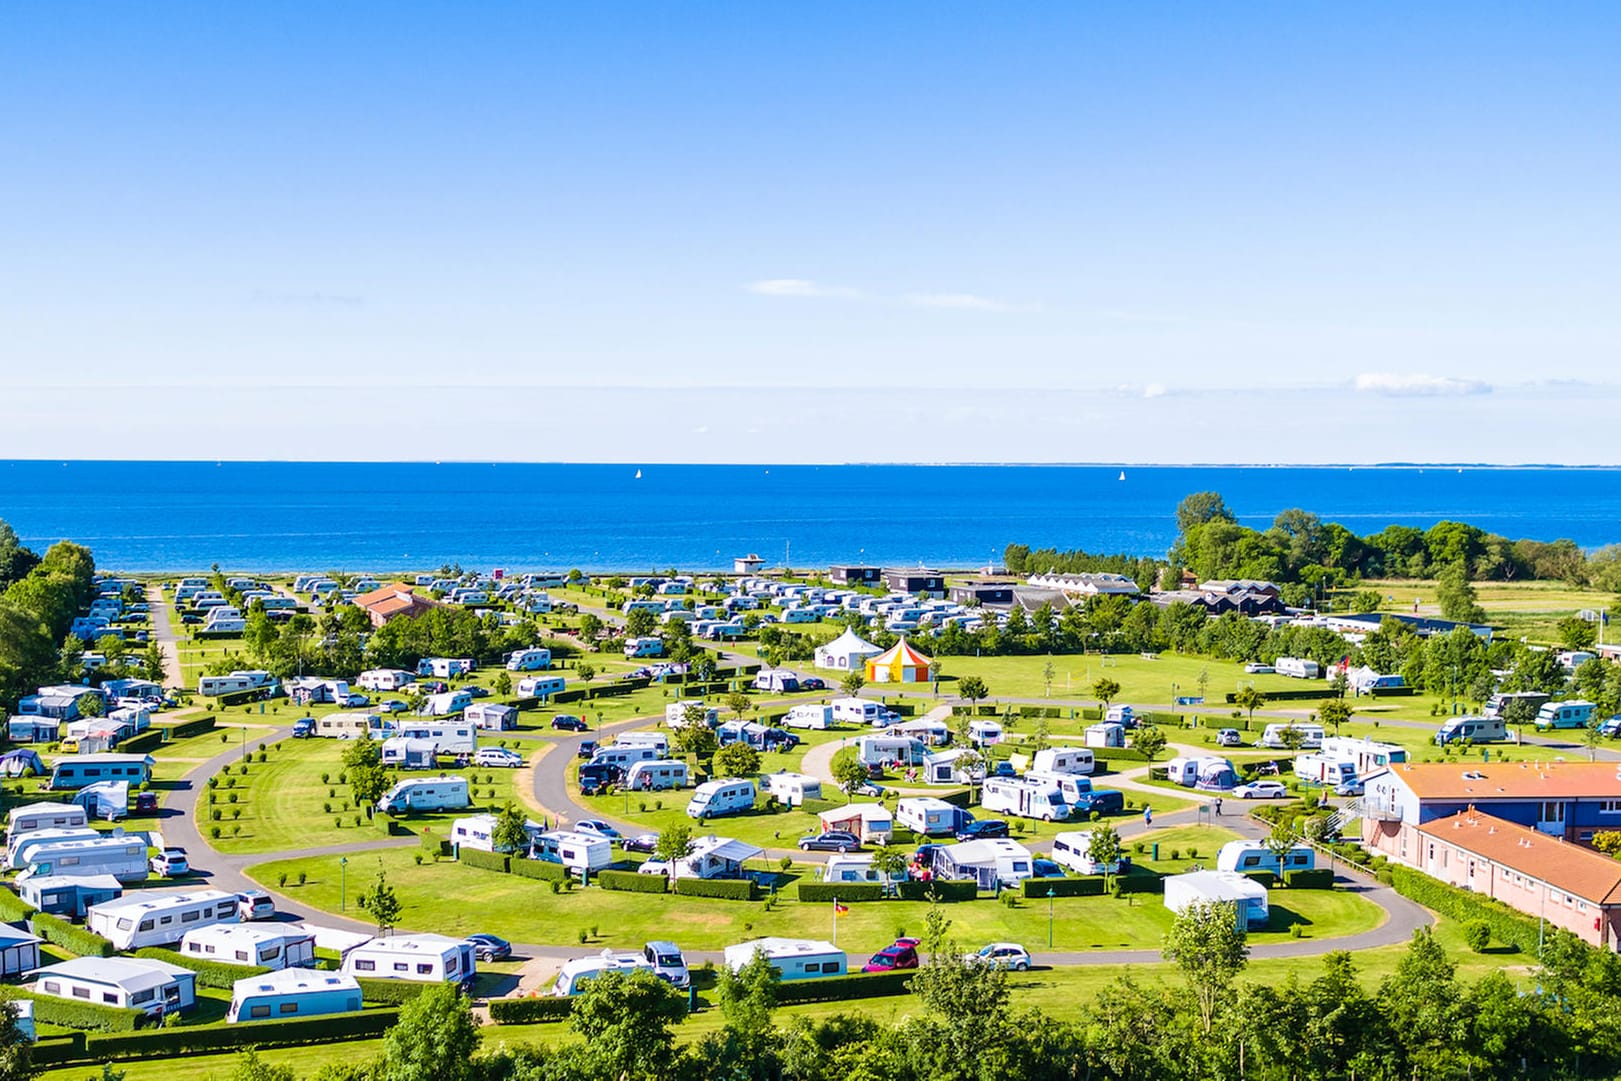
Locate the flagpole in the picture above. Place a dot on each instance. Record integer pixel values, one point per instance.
(835, 921)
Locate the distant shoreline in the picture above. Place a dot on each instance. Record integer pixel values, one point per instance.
(645, 463)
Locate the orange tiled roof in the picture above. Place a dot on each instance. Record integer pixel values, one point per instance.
(1515, 780)
(392, 600)
(1570, 867)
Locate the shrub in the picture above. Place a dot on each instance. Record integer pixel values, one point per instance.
(546, 872)
(391, 992)
(489, 861)
(529, 1011)
(732, 889)
(633, 882)
(943, 889)
(824, 892)
(1037, 888)
(73, 939)
(214, 832)
(1319, 878)
(50, 1010)
(584, 937)
(1127, 884)
(302, 878)
(1477, 935)
(839, 988)
(281, 880)
(14, 908)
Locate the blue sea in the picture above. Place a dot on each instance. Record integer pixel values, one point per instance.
(284, 516)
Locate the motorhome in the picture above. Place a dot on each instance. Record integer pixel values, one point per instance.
(236, 683)
(882, 750)
(656, 775)
(644, 647)
(859, 711)
(80, 770)
(1367, 755)
(1310, 736)
(1298, 668)
(575, 974)
(1327, 770)
(420, 958)
(292, 992)
(1072, 849)
(454, 737)
(731, 795)
(623, 756)
(1572, 713)
(262, 945)
(1024, 798)
(675, 714)
(529, 660)
(541, 687)
(144, 918)
(1497, 703)
(792, 958)
(425, 794)
(793, 789)
(656, 740)
(1256, 856)
(930, 817)
(1474, 729)
(581, 852)
(78, 854)
(1064, 760)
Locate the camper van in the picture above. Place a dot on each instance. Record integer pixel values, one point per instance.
(859, 711)
(1365, 754)
(882, 750)
(809, 716)
(1498, 702)
(1572, 713)
(1298, 668)
(729, 796)
(656, 740)
(644, 647)
(541, 687)
(1025, 798)
(656, 775)
(141, 919)
(793, 789)
(930, 817)
(425, 794)
(1474, 729)
(1329, 771)
(1255, 856)
(529, 660)
(1311, 736)
(74, 854)
(455, 737)
(1064, 760)
(292, 992)
(575, 974)
(1070, 850)
(1083, 798)
(623, 756)
(675, 714)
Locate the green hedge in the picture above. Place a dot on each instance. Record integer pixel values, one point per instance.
(1120, 754)
(14, 908)
(1265, 878)
(837, 988)
(731, 889)
(433, 843)
(1036, 888)
(1124, 884)
(142, 743)
(633, 882)
(209, 973)
(543, 870)
(945, 889)
(841, 891)
(391, 992)
(161, 1043)
(391, 827)
(191, 728)
(71, 1013)
(1288, 696)
(73, 939)
(1319, 878)
(489, 861)
(1207, 721)
(529, 1011)
(1507, 925)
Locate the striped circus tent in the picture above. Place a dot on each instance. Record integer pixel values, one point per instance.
(899, 664)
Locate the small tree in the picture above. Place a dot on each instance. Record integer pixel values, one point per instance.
(739, 703)
(1591, 737)
(1047, 674)
(1281, 841)
(674, 845)
(1104, 850)
(1249, 699)
(1477, 935)
(503, 684)
(737, 760)
(1519, 712)
(1293, 738)
(1041, 737)
(1148, 739)
(624, 1020)
(511, 833)
(381, 903)
(747, 998)
(250, 1067)
(695, 736)
(434, 1039)
(972, 688)
(1105, 690)
(848, 770)
(852, 683)
(890, 862)
(1205, 942)
(585, 672)
(1334, 712)
(16, 1049)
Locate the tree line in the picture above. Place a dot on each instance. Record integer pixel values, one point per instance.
(37, 609)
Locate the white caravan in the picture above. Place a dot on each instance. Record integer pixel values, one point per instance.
(121, 855)
(930, 817)
(1256, 856)
(420, 958)
(1311, 736)
(529, 660)
(1024, 798)
(731, 795)
(580, 852)
(141, 919)
(541, 687)
(425, 794)
(1064, 760)
(809, 716)
(1298, 667)
(793, 958)
(453, 737)
(675, 714)
(656, 775)
(858, 711)
(882, 750)
(793, 789)
(267, 946)
(1071, 848)
(575, 974)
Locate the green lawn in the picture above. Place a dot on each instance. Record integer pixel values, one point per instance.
(453, 899)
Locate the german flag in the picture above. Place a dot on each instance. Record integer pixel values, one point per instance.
(840, 909)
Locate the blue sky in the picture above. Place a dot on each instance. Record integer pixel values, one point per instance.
(932, 232)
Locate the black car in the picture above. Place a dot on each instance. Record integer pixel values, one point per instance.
(568, 723)
(642, 842)
(811, 683)
(983, 831)
(588, 747)
(477, 691)
(490, 948)
(777, 740)
(831, 841)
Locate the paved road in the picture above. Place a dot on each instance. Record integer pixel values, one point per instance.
(163, 634)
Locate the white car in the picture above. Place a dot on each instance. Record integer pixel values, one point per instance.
(1262, 790)
(1255, 668)
(497, 756)
(1229, 737)
(596, 828)
(1002, 955)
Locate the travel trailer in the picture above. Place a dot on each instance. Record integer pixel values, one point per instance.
(675, 714)
(141, 919)
(134, 983)
(1311, 736)
(732, 795)
(793, 789)
(809, 715)
(579, 852)
(420, 958)
(1024, 798)
(859, 711)
(262, 945)
(930, 817)
(656, 775)
(882, 750)
(451, 737)
(793, 958)
(86, 769)
(541, 687)
(1064, 760)
(576, 973)
(425, 794)
(1256, 856)
(1365, 754)
(120, 855)
(1298, 668)
(1247, 896)
(292, 992)
(1072, 850)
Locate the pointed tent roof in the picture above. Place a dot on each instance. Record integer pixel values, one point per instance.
(850, 643)
(902, 653)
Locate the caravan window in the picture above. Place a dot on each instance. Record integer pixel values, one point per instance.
(1252, 861)
(452, 964)
(109, 998)
(123, 925)
(258, 1011)
(288, 1007)
(365, 966)
(68, 861)
(242, 955)
(146, 925)
(424, 970)
(142, 996)
(81, 992)
(270, 954)
(1298, 859)
(401, 966)
(186, 917)
(51, 987)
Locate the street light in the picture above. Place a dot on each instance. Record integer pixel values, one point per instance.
(343, 884)
(1051, 893)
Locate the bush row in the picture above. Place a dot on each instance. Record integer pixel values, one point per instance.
(73, 939)
(943, 889)
(1036, 888)
(541, 869)
(633, 882)
(489, 861)
(146, 741)
(1124, 884)
(14, 908)
(1121, 754)
(841, 891)
(190, 728)
(1288, 696)
(1319, 878)
(209, 973)
(1506, 924)
(1265, 878)
(731, 889)
(71, 1013)
(529, 1011)
(184, 1041)
(835, 988)
(390, 992)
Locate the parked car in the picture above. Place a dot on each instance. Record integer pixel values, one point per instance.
(434, 686)
(924, 856)
(778, 740)
(1261, 790)
(1255, 668)
(868, 788)
(144, 803)
(476, 691)
(1229, 737)
(596, 827)
(812, 683)
(903, 954)
(497, 756)
(1002, 955)
(490, 947)
(170, 863)
(255, 905)
(1002, 768)
(1040, 868)
(588, 747)
(983, 830)
(1611, 727)
(567, 722)
(354, 700)
(642, 842)
(394, 705)
(304, 728)
(1353, 787)
(831, 841)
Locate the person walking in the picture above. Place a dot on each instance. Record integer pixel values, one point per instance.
(1148, 817)
(1218, 805)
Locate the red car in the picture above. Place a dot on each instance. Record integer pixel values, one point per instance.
(903, 954)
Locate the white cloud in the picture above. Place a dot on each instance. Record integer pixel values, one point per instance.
(1417, 386)
(958, 301)
(798, 287)
(1154, 390)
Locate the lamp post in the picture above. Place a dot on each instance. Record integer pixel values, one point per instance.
(1051, 893)
(343, 883)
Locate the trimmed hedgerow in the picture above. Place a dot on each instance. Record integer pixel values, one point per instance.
(1124, 884)
(209, 973)
(489, 861)
(73, 939)
(13, 908)
(943, 889)
(841, 891)
(730, 889)
(71, 1013)
(289, 1033)
(391, 992)
(1036, 888)
(1507, 925)
(1319, 878)
(543, 870)
(529, 1011)
(837, 988)
(633, 882)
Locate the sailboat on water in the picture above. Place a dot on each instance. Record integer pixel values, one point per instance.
(1122, 474)
(638, 474)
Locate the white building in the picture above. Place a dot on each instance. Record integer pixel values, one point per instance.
(846, 653)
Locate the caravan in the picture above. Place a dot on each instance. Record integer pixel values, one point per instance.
(575, 974)
(859, 711)
(1329, 771)
(623, 756)
(1072, 849)
(273, 946)
(1366, 755)
(732, 795)
(809, 716)
(1246, 856)
(425, 794)
(141, 919)
(451, 737)
(541, 687)
(1310, 735)
(675, 714)
(883, 750)
(80, 854)
(444, 667)
(1064, 760)
(930, 817)
(1298, 668)
(529, 660)
(656, 740)
(793, 789)
(292, 992)
(86, 769)
(656, 775)
(1474, 729)
(406, 753)
(792, 958)
(352, 725)
(420, 958)
(580, 852)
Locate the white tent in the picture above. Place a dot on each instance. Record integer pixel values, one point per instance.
(846, 653)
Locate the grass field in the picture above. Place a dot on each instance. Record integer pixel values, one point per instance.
(454, 899)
